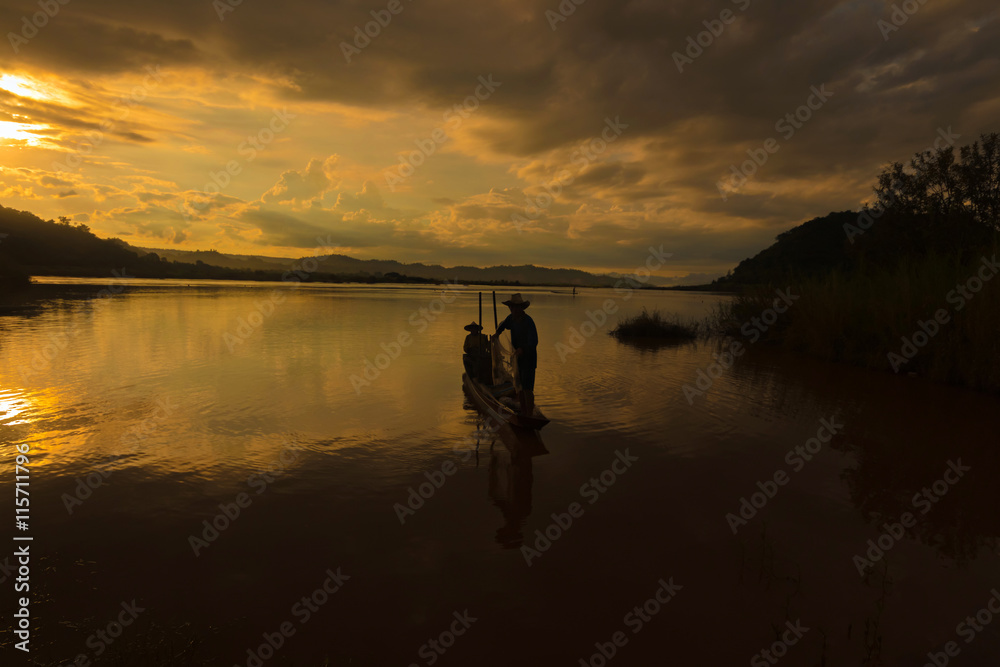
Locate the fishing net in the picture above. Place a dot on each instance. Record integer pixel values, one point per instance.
(504, 362)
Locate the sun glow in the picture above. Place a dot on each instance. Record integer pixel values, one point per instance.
(25, 87)
(19, 129)
(12, 131)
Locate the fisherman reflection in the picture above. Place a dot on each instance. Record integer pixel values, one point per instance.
(510, 489)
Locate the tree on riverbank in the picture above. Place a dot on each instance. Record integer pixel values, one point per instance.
(909, 284)
(936, 204)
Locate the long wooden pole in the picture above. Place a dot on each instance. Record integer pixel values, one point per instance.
(479, 359)
(496, 323)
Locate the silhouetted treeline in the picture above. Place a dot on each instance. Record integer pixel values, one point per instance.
(908, 284)
(939, 204)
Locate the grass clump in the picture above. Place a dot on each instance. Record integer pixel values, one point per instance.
(654, 327)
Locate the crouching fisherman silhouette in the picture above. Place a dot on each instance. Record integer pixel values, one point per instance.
(477, 357)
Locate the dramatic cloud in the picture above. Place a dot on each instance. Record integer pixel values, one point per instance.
(505, 132)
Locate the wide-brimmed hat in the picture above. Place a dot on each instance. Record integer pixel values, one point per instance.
(473, 327)
(516, 300)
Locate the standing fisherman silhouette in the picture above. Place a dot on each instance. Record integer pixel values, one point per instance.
(524, 339)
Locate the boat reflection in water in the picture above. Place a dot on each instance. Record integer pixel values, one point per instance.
(511, 452)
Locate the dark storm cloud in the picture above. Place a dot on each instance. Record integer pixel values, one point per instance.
(607, 58)
(99, 36)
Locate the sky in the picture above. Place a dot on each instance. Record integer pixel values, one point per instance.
(564, 134)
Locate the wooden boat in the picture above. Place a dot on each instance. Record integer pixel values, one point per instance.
(490, 400)
(496, 401)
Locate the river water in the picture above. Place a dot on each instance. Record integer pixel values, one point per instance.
(212, 468)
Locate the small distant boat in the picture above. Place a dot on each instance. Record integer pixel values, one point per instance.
(563, 291)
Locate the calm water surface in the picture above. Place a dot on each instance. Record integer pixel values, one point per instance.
(152, 412)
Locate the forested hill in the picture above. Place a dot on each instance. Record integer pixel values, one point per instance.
(32, 246)
(29, 241)
(814, 248)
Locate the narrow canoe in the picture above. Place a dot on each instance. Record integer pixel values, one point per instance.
(490, 405)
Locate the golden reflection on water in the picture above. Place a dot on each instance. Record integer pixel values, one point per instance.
(169, 390)
(241, 370)
(12, 404)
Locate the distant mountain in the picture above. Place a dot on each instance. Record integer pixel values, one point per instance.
(32, 246)
(216, 258)
(342, 264)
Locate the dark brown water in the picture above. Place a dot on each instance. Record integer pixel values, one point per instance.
(146, 411)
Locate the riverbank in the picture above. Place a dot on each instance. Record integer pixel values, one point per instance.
(935, 317)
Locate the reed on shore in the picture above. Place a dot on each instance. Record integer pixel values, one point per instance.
(935, 317)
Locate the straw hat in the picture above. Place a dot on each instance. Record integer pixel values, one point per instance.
(516, 300)
(473, 327)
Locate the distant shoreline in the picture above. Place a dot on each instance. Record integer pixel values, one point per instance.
(30, 297)
(346, 279)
